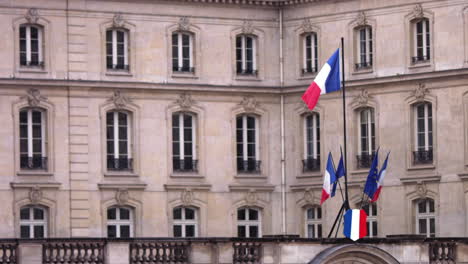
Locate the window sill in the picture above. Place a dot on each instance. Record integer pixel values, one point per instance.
(421, 167)
(250, 176)
(32, 69)
(359, 171)
(420, 64)
(186, 75)
(309, 175)
(247, 78)
(120, 174)
(34, 173)
(307, 76)
(363, 71)
(118, 73)
(186, 175)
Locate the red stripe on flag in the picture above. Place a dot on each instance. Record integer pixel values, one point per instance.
(325, 196)
(311, 95)
(376, 194)
(362, 224)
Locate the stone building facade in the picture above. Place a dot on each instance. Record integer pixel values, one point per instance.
(163, 118)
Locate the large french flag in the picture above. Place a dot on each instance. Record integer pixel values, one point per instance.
(355, 226)
(328, 179)
(326, 81)
(382, 173)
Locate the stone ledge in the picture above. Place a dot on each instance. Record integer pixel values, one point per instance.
(122, 185)
(248, 187)
(51, 185)
(421, 178)
(192, 186)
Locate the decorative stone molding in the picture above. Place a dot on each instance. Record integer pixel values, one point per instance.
(361, 19)
(184, 24)
(420, 92)
(250, 104)
(119, 100)
(118, 20)
(309, 195)
(185, 101)
(247, 27)
(421, 189)
(187, 197)
(251, 197)
(32, 16)
(306, 26)
(35, 195)
(34, 97)
(122, 196)
(418, 11)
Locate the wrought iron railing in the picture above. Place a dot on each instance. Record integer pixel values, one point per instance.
(247, 253)
(423, 156)
(73, 252)
(33, 163)
(247, 72)
(183, 69)
(185, 165)
(442, 252)
(8, 253)
(363, 65)
(248, 166)
(161, 252)
(311, 164)
(309, 70)
(364, 160)
(417, 59)
(118, 67)
(120, 164)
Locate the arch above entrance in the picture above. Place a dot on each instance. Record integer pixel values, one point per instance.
(354, 254)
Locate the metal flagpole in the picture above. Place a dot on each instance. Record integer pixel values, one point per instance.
(344, 125)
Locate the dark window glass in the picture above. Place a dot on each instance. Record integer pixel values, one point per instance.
(253, 231)
(177, 213)
(253, 214)
(38, 214)
(38, 231)
(124, 231)
(374, 228)
(241, 231)
(25, 232)
(189, 231)
(124, 214)
(319, 230)
(111, 214)
(241, 214)
(24, 214)
(111, 231)
(422, 226)
(189, 214)
(177, 230)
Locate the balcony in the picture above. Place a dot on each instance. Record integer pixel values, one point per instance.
(120, 164)
(185, 165)
(311, 165)
(422, 157)
(364, 161)
(248, 166)
(33, 163)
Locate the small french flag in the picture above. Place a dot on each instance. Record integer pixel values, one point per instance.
(326, 81)
(328, 178)
(355, 226)
(382, 173)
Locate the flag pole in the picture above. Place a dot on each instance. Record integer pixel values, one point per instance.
(344, 125)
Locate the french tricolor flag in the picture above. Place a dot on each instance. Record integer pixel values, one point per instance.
(382, 173)
(328, 179)
(326, 81)
(355, 226)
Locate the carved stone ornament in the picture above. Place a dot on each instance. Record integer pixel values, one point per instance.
(32, 15)
(185, 101)
(247, 27)
(362, 98)
(34, 97)
(35, 195)
(184, 23)
(122, 196)
(420, 92)
(118, 20)
(119, 100)
(251, 197)
(418, 11)
(306, 26)
(309, 196)
(187, 196)
(361, 19)
(421, 189)
(249, 103)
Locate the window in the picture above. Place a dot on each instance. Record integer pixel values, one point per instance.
(364, 48)
(425, 217)
(423, 152)
(248, 156)
(366, 141)
(311, 160)
(32, 136)
(184, 155)
(182, 52)
(314, 222)
(33, 222)
(117, 49)
(119, 222)
(248, 222)
(246, 50)
(119, 154)
(371, 211)
(422, 40)
(185, 222)
(31, 50)
(309, 53)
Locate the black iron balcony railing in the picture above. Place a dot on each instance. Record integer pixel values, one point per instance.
(310, 164)
(185, 165)
(423, 157)
(418, 59)
(148, 252)
(183, 69)
(363, 65)
(247, 72)
(248, 166)
(33, 163)
(309, 70)
(364, 160)
(124, 67)
(73, 252)
(120, 164)
(33, 63)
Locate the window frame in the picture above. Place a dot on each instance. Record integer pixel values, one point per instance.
(116, 125)
(371, 218)
(311, 158)
(31, 223)
(30, 137)
(314, 52)
(28, 45)
(194, 142)
(365, 160)
(180, 58)
(428, 131)
(119, 222)
(114, 43)
(245, 157)
(244, 70)
(247, 223)
(428, 216)
(426, 40)
(317, 223)
(368, 63)
(183, 222)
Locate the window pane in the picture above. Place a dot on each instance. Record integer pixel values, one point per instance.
(241, 231)
(111, 214)
(253, 214)
(125, 231)
(38, 231)
(177, 212)
(432, 225)
(24, 214)
(310, 213)
(177, 230)
(253, 231)
(431, 206)
(24, 232)
(124, 214)
(319, 213)
(189, 214)
(374, 210)
(319, 230)
(422, 207)
(422, 226)
(38, 214)
(374, 229)
(310, 231)
(241, 214)
(111, 231)
(189, 231)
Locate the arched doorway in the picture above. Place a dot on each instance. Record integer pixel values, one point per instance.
(354, 254)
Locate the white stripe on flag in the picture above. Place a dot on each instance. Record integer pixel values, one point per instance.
(355, 225)
(326, 182)
(322, 77)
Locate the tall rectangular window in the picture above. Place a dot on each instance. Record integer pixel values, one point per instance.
(310, 53)
(248, 222)
(33, 222)
(247, 135)
(364, 38)
(366, 142)
(31, 50)
(119, 222)
(423, 152)
(311, 161)
(422, 41)
(32, 136)
(118, 134)
(185, 222)
(425, 218)
(246, 61)
(184, 154)
(372, 227)
(117, 49)
(314, 222)
(182, 52)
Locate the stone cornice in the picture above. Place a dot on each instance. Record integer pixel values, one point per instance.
(275, 3)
